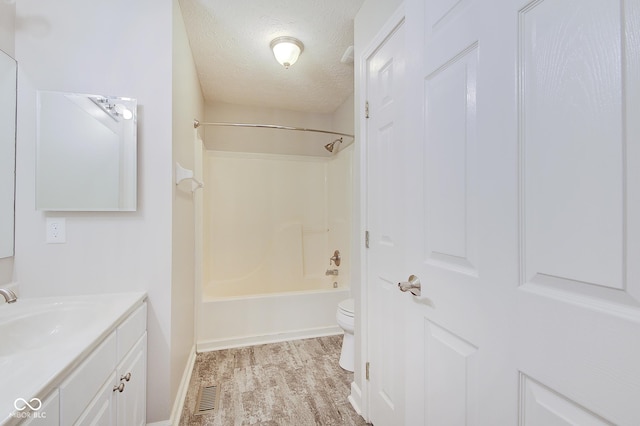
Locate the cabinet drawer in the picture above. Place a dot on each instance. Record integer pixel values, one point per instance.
(86, 380)
(131, 330)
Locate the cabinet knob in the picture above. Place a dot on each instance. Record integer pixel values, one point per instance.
(126, 377)
(119, 388)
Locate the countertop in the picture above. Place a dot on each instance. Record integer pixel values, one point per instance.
(67, 329)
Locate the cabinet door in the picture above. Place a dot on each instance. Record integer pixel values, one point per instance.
(85, 382)
(132, 372)
(48, 414)
(100, 411)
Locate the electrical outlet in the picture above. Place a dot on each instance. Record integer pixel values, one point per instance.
(56, 230)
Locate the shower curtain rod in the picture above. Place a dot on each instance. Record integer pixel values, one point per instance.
(197, 124)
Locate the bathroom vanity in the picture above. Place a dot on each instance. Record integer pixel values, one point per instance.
(74, 360)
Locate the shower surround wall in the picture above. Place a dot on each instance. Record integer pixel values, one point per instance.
(276, 207)
(273, 221)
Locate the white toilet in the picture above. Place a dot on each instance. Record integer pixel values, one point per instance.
(344, 315)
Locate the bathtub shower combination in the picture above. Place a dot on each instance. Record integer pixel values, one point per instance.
(276, 245)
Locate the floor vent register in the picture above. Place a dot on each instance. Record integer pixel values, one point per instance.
(208, 399)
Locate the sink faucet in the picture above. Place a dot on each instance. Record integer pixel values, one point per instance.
(9, 295)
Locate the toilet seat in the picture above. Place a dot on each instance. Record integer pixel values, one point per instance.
(346, 307)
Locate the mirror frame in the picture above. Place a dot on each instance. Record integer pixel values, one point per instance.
(86, 152)
(8, 121)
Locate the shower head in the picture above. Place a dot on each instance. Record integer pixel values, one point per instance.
(329, 146)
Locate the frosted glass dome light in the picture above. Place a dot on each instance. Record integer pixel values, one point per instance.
(286, 50)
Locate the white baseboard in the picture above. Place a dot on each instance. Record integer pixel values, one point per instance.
(238, 342)
(355, 398)
(178, 403)
(162, 423)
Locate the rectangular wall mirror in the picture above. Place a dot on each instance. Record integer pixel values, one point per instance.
(8, 72)
(86, 152)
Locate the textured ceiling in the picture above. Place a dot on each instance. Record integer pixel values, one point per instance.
(230, 44)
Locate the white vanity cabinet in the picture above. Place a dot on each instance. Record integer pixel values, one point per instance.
(75, 360)
(109, 387)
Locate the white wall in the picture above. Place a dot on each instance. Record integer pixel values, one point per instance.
(340, 190)
(7, 44)
(187, 104)
(339, 199)
(342, 120)
(7, 26)
(6, 270)
(116, 48)
(267, 141)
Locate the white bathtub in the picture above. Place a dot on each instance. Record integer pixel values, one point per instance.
(249, 320)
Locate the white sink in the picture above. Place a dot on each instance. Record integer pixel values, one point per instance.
(25, 326)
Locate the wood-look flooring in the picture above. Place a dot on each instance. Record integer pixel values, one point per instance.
(289, 383)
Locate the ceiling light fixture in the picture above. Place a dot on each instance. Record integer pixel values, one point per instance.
(286, 50)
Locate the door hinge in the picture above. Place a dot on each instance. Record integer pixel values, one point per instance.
(366, 368)
(366, 239)
(366, 109)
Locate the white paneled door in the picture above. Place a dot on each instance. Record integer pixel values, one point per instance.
(516, 202)
(386, 148)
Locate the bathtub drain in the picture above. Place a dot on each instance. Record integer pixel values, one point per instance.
(208, 398)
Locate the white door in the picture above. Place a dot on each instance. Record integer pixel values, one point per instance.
(525, 178)
(385, 176)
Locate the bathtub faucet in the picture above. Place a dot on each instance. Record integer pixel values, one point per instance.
(10, 296)
(335, 258)
(331, 272)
